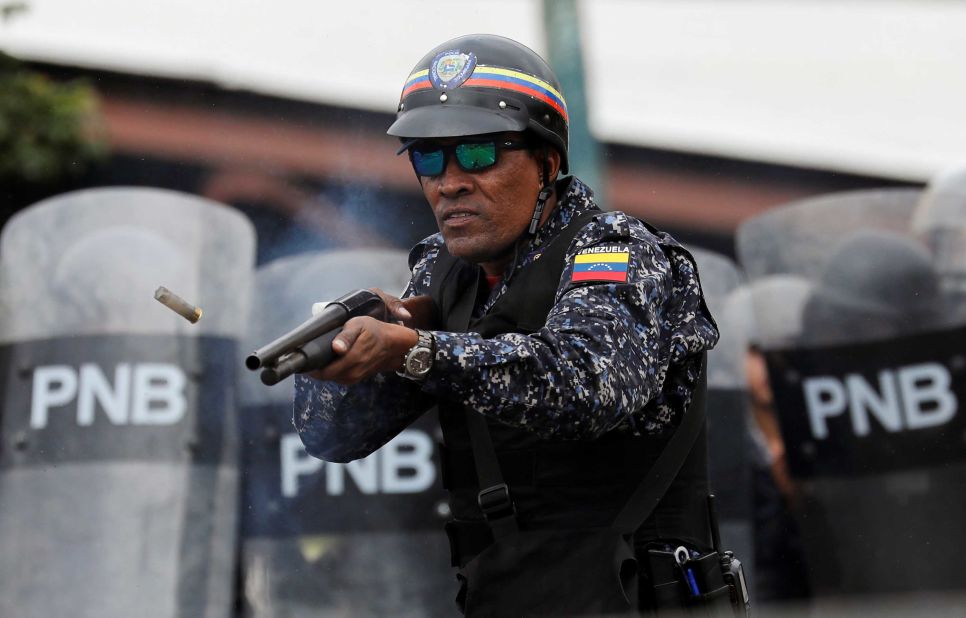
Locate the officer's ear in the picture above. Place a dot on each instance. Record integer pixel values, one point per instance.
(548, 160)
(553, 163)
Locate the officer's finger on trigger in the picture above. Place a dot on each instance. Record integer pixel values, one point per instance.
(394, 306)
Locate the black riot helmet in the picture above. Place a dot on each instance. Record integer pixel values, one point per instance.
(482, 83)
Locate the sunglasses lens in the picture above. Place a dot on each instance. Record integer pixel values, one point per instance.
(471, 156)
(428, 163)
(476, 156)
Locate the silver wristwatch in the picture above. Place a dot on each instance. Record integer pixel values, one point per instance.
(419, 358)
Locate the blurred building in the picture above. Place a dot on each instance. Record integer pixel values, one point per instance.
(283, 113)
(314, 175)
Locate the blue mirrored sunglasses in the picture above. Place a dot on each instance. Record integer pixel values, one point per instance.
(430, 159)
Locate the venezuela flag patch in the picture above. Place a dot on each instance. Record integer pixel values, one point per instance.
(603, 263)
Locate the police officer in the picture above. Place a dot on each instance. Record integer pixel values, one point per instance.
(577, 334)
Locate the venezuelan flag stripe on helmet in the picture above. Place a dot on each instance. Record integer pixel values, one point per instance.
(517, 77)
(508, 79)
(499, 78)
(417, 81)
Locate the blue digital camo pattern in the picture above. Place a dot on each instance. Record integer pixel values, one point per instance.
(611, 355)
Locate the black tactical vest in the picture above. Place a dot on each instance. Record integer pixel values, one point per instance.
(553, 483)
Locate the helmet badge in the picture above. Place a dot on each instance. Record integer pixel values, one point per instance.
(449, 69)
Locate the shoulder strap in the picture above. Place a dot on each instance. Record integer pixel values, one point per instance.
(453, 287)
(652, 489)
(494, 496)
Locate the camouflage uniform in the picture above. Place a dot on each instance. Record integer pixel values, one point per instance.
(612, 356)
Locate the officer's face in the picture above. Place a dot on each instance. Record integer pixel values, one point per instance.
(482, 213)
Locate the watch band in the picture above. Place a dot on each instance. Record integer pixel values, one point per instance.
(426, 339)
(419, 359)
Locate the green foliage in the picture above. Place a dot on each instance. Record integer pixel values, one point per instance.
(49, 131)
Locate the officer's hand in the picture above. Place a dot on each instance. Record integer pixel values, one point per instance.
(414, 312)
(367, 346)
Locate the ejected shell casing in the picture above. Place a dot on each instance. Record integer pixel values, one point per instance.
(177, 304)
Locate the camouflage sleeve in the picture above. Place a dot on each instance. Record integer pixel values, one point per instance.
(339, 423)
(605, 350)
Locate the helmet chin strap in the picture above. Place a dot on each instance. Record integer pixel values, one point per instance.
(542, 197)
(538, 210)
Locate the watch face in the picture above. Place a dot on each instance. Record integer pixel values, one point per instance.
(419, 361)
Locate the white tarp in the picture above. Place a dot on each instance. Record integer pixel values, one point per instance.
(871, 87)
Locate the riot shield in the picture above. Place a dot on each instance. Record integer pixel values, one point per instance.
(325, 539)
(940, 222)
(868, 392)
(118, 468)
(730, 445)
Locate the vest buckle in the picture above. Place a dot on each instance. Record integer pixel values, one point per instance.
(495, 502)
